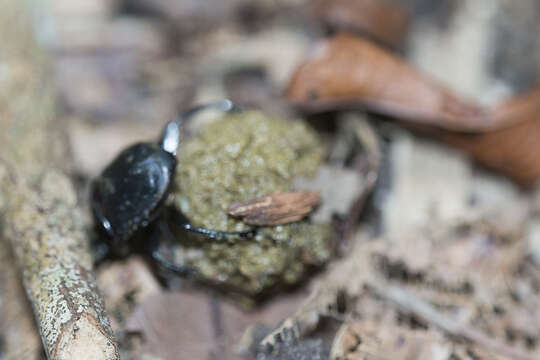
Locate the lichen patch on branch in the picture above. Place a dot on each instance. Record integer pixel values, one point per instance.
(45, 230)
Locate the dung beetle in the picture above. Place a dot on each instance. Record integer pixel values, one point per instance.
(129, 195)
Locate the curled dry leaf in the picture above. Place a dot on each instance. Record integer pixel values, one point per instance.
(511, 151)
(276, 208)
(513, 148)
(383, 20)
(350, 70)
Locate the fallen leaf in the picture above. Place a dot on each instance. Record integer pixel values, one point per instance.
(350, 70)
(383, 20)
(194, 325)
(511, 150)
(347, 69)
(510, 146)
(277, 208)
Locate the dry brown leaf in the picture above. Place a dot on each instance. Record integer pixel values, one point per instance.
(512, 150)
(383, 20)
(348, 69)
(276, 208)
(510, 147)
(194, 325)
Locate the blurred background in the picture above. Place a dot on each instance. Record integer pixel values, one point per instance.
(138, 62)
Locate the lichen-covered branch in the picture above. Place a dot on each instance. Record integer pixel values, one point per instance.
(41, 219)
(44, 227)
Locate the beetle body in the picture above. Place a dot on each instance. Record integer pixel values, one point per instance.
(129, 193)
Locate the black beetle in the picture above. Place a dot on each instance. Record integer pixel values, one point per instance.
(130, 193)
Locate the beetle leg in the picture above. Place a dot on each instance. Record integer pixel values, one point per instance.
(162, 228)
(182, 270)
(180, 220)
(214, 234)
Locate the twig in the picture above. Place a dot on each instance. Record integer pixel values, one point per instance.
(44, 226)
(409, 302)
(38, 204)
(367, 163)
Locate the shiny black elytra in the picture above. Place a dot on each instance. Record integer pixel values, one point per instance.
(129, 194)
